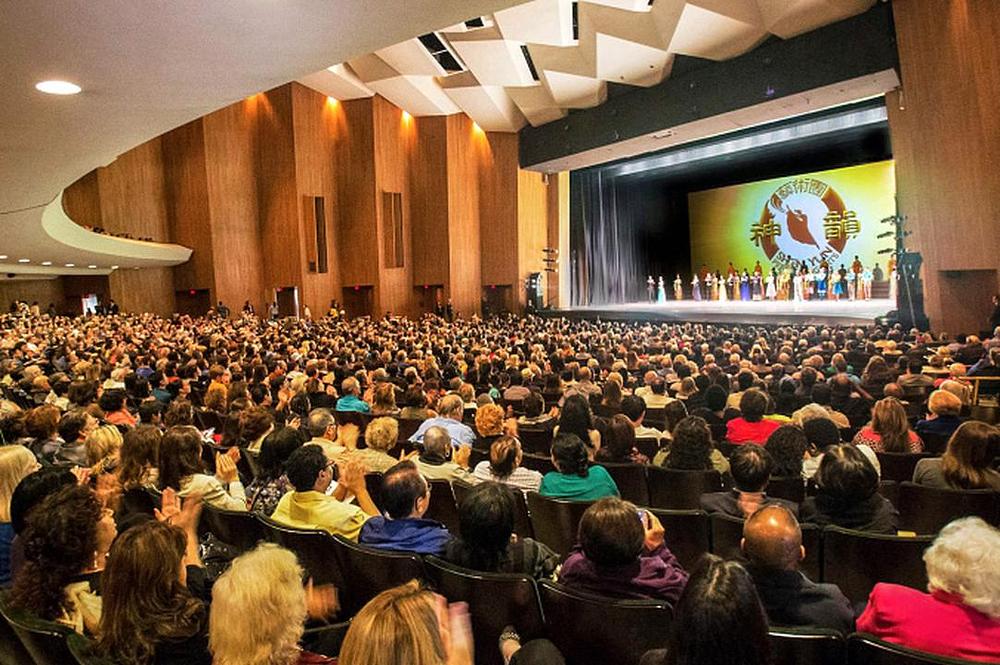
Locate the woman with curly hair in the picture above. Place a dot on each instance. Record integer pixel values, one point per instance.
(67, 539)
(691, 449)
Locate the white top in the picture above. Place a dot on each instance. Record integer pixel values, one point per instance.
(523, 479)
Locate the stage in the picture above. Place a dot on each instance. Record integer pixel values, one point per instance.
(825, 312)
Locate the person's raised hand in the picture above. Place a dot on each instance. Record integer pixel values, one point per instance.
(82, 474)
(352, 476)
(654, 533)
(321, 601)
(225, 469)
(234, 454)
(403, 455)
(455, 626)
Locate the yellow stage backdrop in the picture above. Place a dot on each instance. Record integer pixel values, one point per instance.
(832, 215)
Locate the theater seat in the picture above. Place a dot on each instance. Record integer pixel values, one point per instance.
(855, 561)
(595, 630)
(11, 649)
(925, 509)
(555, 521)
(442, 507)
(369, 571)
(407, 428)
(536, 441)
(631, 481)
(687, 534)
(790, 488)
(495, 601)
(899, 466)
(83, 651)
(807, 646)
(313, 548)
(648, 446)
(325, 640)
(240, 530)
(45, 641)
(864, 649)
(540, 463)
(680, 490)
(373, 483)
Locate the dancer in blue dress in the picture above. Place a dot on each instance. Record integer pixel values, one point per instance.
(661, 294)
(695, 288)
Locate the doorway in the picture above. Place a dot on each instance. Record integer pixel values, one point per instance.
(359, 301)
(287, 298)
(193, 302)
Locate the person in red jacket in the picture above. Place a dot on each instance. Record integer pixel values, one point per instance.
(960, 617)
(751, 427)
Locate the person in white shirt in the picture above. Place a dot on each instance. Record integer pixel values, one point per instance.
(634, 408)
(504, 466)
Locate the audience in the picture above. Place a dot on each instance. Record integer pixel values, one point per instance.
(943, 419)
(889, 431)
(847, 494)
(380, 437)
(772, 545)
(574, 478)
(787, 446)
(751, 426)
(441, 460)
(967, 462)
(691, 449)
(180, 468)
(620, 444)
(960, 617)
(451, 410)
(622, 553)
(265, 491)
(16, 463)
(504, 466)
(486, 542)
(405, 497)
(751, 469)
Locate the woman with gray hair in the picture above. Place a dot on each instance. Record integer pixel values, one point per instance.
(960, 617)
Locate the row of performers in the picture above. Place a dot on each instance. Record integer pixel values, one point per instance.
(801, 283)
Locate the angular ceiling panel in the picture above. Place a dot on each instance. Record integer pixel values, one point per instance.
(525, 64)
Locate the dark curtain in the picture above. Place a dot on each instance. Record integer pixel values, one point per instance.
(607, 263)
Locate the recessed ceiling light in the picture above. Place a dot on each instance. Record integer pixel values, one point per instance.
(114, 267)
(24, 260)
(70, 265)
(46, 263)
(57, 87)
(91, 266)
(3, 256)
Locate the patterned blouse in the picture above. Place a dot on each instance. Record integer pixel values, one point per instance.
(264, 495)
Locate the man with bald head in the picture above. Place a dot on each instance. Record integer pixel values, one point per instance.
(441, 460)
(772, 545)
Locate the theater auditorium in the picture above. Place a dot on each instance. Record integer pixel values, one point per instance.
(499, 332)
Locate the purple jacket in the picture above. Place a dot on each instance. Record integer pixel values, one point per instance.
(656, 575)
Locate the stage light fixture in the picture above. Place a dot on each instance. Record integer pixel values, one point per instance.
(91, 266)
(2, 257)
(56, 87)
(70, 265)
(46, 263)
(24, 260)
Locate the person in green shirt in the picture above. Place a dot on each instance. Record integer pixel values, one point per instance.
(573, 478)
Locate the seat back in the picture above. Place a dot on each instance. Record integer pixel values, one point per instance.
(45, 641)
(11, 649)
(680, 490)
(869, 650)
(442, 507)
(925, 509)
(369, 571)
(325, 640)
(655, 417)
(373, 483)
(687, 534)
(790, 488)
(648, 446)
(407, 428)
(240, 530)
(535, 440)
(495, 601)
(727, 531)
(899, 466)
(555, 521)
(813, 646)
(855, 561)
(83, 651)
(540, 463)
(934, 442)
(522, 522)
(594, 630)
(313, 548)
(631, 481)
(248, 458)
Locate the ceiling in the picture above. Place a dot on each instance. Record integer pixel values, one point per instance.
(575, 50)
(146, 68)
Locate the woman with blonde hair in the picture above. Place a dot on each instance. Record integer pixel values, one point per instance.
(960, 617)
(966, 463)
(943, 420)
(16, 463)
(259, 608)
(103, 447)
(889, 430)
(504, 466)
(381, 436)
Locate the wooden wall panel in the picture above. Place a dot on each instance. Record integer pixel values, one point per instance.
(465, 147)
(946, 142)
(532, 227)
(557, 237)
(394, 140)
(429, 201)
(186, 197)
(355, 177)
(231, 176)
(315, 123)
(277, 200)
(43, 291)
(82, 200)
(133, 200)
(498, 204)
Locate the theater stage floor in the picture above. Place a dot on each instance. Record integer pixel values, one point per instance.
(766, 312)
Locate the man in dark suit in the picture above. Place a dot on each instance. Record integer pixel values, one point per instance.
(750, 467)
(772, 545)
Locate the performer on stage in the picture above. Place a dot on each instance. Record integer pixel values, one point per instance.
(723, 287)
(798, 284)
(661, 293)
(771, 292)
(734, 285)
(877, 274)
(840, 285)
(651, 288)
(893, 277)
(853, 290)
(822, 275)
(756, 286)
(784, 284)
(710, 287)
(695, 288)
(745, 285)
(678, 288)
(866, 284)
